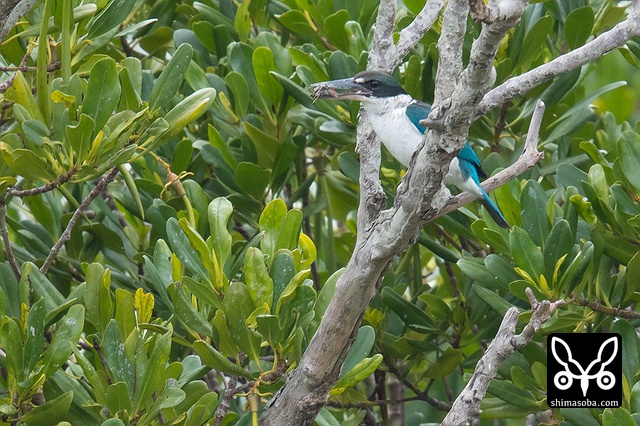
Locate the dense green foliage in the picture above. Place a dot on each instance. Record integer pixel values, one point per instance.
(219, 243)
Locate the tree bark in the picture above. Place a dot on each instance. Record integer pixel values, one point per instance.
(10, 12)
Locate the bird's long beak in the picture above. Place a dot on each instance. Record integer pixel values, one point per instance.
(346, 88)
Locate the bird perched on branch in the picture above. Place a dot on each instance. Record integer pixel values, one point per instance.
(395, 117)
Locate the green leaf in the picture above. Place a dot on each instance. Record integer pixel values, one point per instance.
(577, 268)
(559, 243)
(617, 417)
(259, 283)
(79, 136)
(242, 22)
(24, 97)
(97, 296)
(414, 317)
(189, 109)
(360, 348)
(125, 314)
(270, 223)
(266, 146)
(629, 154)
(445, 364)
(34, 345)
(27, 164)
(510, 393)
(51, 412)
(112, 348)
(578, 26)
(181, 246)
(535, 38)
(526, 253)
(103, 92)
(184, 309)
(202, 410)
(237, 309)
(11, 342)
(219, 212)
(240, 90)
(153, 379)
(492, 299)
(326, 294)
(297, 92)
(630, 348)
(290, 230)
(263, 64)
(252, 179)
(41, 286)
(269, 328)
(171, 78)
(534, 218)
(110, 17)
(118, 398)
(64, 340)
(358, 373)
(170, 397)
(216, 360)
(283, 270)
(204, 251)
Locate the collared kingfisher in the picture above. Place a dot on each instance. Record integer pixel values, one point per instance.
(395, 117)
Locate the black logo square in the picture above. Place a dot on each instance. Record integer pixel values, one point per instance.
(584, 370)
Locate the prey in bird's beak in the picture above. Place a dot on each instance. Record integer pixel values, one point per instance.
(347, 88)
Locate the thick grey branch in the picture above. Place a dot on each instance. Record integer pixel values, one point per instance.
(591, 51)
(383, 51)
(372, 195)
(454, 26)
(10, 12)
(467, 406)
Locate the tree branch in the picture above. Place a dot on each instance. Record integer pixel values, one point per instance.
(609, 310)
(467, 406)
(100, 186)
(42, 189)
(591, 51)
(454, 26)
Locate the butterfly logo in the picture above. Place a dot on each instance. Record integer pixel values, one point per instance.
(563, 380)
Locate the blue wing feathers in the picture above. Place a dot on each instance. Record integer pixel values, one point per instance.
(418, 111)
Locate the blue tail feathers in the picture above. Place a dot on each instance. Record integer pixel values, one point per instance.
(494, 211)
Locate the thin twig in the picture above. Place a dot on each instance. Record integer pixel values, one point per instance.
(42, 189)
(616, 312)
(5, 238)
(423, 395)
(376, 403)
(95, 192)
(55, 66)
(5, 86)
(221, 412)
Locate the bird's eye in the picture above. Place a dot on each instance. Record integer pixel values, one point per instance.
(374, 84)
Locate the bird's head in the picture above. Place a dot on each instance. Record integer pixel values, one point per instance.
(366, 86)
